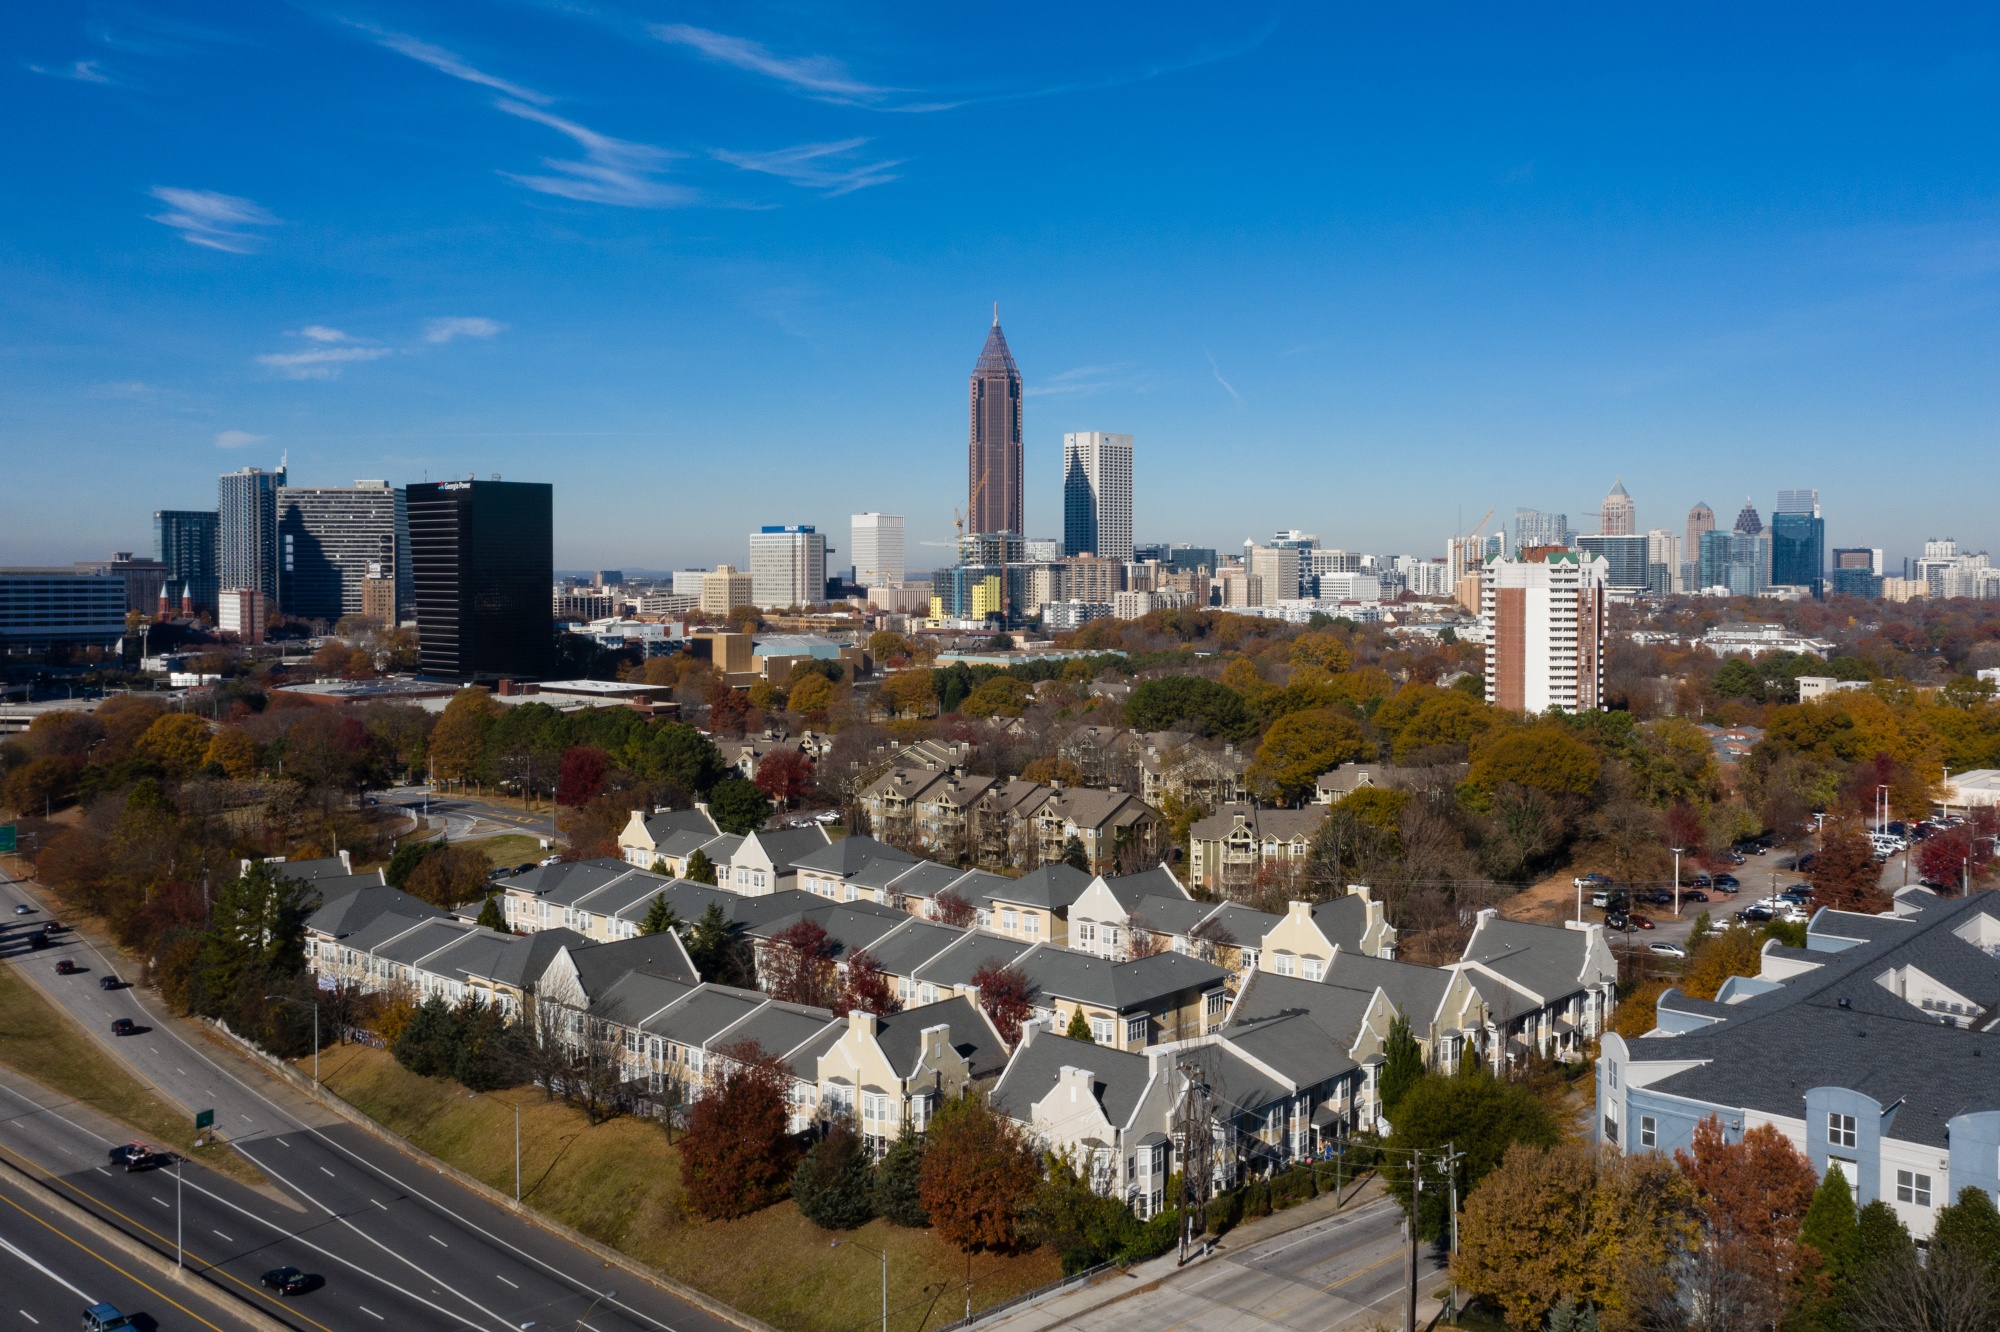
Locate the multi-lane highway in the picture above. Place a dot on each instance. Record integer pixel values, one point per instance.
(397, 1245)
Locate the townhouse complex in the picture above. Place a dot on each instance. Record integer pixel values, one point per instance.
(1872, 1048)
(1278, 1022)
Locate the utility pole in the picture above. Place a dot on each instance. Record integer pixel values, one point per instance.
(1416, 1216)
(1197, 1165)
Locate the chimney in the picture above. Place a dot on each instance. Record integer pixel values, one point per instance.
(1298, 911)
(1361, 890)
(506, 689)
(1485, 914)
(860, 1022)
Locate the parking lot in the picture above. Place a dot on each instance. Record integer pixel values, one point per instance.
(1758, 876)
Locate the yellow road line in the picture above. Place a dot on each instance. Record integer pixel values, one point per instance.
(212, 1269)
(139, 1281)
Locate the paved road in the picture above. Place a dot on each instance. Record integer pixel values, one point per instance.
(1345, 1271)
(399, 1246)
(465, 816)
(51, 1269)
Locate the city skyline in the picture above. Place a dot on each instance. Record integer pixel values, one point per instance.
(534, 239)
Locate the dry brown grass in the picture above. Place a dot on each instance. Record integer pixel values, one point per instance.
(619, 1183)
(39, 1041)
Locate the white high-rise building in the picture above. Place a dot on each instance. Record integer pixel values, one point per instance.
(1664, 558)
(1097, 495)
(876, 547)
(1277, 568)
(1544, 623)
(787, 566)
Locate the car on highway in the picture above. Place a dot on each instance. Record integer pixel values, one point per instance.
(104, 1318)
(1665, 949)
(123, 1026)
(38, 941)
(289, 1280)
(66, 968)
(23, 909)
(109, 982)
(135, 1156)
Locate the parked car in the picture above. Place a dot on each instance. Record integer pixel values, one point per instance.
(123, 1026)
(1701, 881)
(1754, 912)
(1666, 949)
(289, 1280)
(1798, 892)
(1617, 920)
(1658, 896)
(1640, 922)
(66, 968)
(523, 869)
(551, 860)
(1693, 895)
(1727, 882)
(827, 816)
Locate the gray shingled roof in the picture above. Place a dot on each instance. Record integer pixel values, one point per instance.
(786, 846)
(956, 965)
(849, 854)
(1170, 915)
(1415, 991)
(598, 966)
(703, 1013)
(1130, 889)
(1547, 959)
(353, 911)
(1118, 1077)
(901, 1036)
(1335, 1010)
(668, 822)
(636, 996)
(1052, 887)
(911, 944)
(1118, 986)
(927, 879)
(1294, 1045)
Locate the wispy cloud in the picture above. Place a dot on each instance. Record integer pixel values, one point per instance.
(1088, 379)
(822, 75)
(237, 439)
(1217, 371)
(613, 171)
(810, 165)
(321, 333)
(444, 330)
(83, 71)
(449, 62)
(321, 362)
(217, 221)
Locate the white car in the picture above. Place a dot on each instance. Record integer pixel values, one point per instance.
(23, 909)
(1665, 949)
(552, 860)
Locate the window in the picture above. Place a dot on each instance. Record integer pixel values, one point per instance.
(1649, 1131)
(1086, 933)
(1611, 1129)
(631, 1042)
(1102, 1030)
(1611, 1075)
(920, 1112)
(1010, 920)
(1217, 1003)
(1135, 1030)
(1839, 1129)
(874, 1107)
(1913, 1188)
(1031, 925)
(1314, 968)
(1285, 964)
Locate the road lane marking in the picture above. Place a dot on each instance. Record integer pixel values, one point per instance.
(31, 1318)
(163, 1202)
(46, 1272)
(225, 1238)
(440, 1243)
(498, 1277)
(245, 1118)
(371, 1313)
(283, 1143)
(70, 1239)
(378, 1203)
(324, 1171)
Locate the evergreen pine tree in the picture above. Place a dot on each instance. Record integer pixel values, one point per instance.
(1079, 1028)
(659, 916)
(1880, 1237)
(491, 916)
(1969, 1229)
(833, 1185)
(429, 1044)
(1403, 1064)
(896, 1175)
(1829, 1223)
(700, 869)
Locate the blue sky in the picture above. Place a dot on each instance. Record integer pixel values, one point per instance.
(710, 266)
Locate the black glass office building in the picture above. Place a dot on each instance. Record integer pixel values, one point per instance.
(185, 541)
(482, 557)
(1798, 551)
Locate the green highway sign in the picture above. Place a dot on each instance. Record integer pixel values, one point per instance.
(204, 1119)
(7, 836)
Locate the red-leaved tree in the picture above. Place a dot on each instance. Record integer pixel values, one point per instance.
(1845, 875)
(737, 1156)
(1755, 1193)
(954, 910)
(798, 965)
(1007, 996)
(1958, 855)
(978, 1173)
(584, 768)
(865, 987)
(728, 711)
(784, 775)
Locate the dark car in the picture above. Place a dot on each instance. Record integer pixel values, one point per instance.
(523, 869)
(1658, 896)
(123, 1026)
(109, 982)
(135, 1156)
(1693, 895)
(289, 1280)
(38, 941)
(1701, 881)
(1617, 920)
(1798, 892)
(1727, 882)
(66, 968)
(1754, 912)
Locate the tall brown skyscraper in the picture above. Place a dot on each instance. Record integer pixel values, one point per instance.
(994, 458)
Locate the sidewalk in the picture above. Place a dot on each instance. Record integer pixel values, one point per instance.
(1067, 1308)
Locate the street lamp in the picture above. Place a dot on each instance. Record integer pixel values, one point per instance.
(607, 1295)
(885, 1277)
(287, 999)
(1677, 878)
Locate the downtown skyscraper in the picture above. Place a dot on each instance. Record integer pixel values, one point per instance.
(247, 531)
(993, 482)
(1097, 495)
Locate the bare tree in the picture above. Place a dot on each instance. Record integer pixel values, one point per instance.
(1949, 1293)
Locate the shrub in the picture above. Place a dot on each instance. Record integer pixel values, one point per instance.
(897, 1195)
(833, 1185)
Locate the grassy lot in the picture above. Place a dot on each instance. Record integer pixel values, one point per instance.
(39, 1041)
(509, 849)
(620, 1184)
